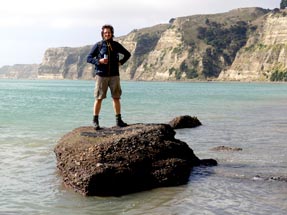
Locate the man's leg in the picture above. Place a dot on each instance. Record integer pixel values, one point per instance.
(97, 106)
(100, 92)
(116, 91)
(117, 106)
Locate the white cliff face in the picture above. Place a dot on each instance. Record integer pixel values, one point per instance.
(168, 53)
(264, 53)
(52, 64)
(174, 51)
(274, 32)
(19, 71)
(65, 62)
(129, 42)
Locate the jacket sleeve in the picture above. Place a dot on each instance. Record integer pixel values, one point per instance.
(92, 56)
(124, 52)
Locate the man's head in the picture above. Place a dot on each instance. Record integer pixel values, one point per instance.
(107, 32)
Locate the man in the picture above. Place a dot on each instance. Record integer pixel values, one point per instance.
(105, 56)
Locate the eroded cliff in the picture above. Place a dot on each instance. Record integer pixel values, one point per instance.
(20, 71)
(65, 63)
(265, 52)
(246, 44)
(192, 47)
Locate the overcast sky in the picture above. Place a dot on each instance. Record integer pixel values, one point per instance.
(29, 27)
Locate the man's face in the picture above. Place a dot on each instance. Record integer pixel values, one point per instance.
(107, 34)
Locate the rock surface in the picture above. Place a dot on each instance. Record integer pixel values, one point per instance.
(117, 161)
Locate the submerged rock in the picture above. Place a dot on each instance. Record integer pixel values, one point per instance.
(270, 178)
(116, 161)
(226, 148)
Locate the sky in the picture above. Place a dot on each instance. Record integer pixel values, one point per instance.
(29, 27)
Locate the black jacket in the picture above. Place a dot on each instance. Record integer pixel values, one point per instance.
(114, 50)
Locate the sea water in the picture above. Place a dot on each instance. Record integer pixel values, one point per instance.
(34, 114)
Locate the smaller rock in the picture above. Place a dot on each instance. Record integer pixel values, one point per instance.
(208, 162)
(226, 148)
(184, 122)
(270, 178)
(278, 178)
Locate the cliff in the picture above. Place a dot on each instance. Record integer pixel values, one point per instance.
(188, 47)
(20, 71)
(65, 63)
(265, 53)
(246, 44)
(192, 47)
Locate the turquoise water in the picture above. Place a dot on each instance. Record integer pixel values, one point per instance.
(34, 114)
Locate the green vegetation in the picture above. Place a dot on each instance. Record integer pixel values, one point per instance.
(247, 15)
(224, 41)
(279, 76)
(177, 50)
(171, 20)
(215, 39)
(255, 47)
(146, 42)
(147, 39)
(176, 72)
(211, 41)
(283, 4)
(171, 70)
(189, 71)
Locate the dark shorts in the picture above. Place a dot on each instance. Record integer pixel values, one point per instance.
(102, 85)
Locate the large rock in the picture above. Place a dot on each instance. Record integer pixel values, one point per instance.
(117, 161)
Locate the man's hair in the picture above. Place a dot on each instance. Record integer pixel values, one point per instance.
(109, 27)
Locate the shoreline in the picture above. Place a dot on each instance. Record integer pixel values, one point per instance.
(161, 81)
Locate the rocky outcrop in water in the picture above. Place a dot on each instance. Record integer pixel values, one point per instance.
(117, 161)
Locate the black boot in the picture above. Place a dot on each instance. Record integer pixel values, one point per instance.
(120, 122)
(96, 123)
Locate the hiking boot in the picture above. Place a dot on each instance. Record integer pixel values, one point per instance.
(96, 123)
(120, 122)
